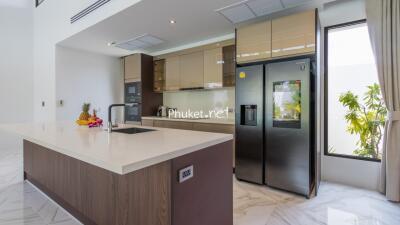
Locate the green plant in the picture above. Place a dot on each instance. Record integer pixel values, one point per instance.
(366, 120)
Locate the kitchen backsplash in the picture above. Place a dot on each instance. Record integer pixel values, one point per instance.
(201, 100)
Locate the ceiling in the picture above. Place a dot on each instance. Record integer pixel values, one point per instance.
(196, 20)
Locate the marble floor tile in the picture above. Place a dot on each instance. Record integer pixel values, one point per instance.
(335, 205)
(23, 204)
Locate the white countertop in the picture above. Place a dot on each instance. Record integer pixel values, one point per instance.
(215, 121)
(116, 152)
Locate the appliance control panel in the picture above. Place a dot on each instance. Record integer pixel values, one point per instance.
(185, 174)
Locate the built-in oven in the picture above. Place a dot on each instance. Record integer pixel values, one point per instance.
(133, 113)
(133, 94)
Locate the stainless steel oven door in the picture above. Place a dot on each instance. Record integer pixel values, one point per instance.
(133, 113)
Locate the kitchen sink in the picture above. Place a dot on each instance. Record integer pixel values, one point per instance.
(132, 130)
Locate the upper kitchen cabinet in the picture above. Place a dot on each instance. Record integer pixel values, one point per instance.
(191, 70)
(253, 42)
(172, 73)
(294, 34)
(159, 75)
(133, 68)
(213, 66)
(229, 67)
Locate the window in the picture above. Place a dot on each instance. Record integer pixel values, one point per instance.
(354, 110)
(38, 2)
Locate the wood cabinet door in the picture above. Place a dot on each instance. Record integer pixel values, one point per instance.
(191, 67)
(294, 34)
(172, 72)
(147, 122)
(213, 64)
(159, 75)
(132, 65)
(173, 124)
(212, 127)
(229, 67)
(253, 42)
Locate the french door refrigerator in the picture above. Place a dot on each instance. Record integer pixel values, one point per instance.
(274, 125)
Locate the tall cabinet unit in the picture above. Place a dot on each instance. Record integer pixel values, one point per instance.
(139, 75)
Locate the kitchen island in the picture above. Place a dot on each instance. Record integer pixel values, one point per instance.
(160, 177)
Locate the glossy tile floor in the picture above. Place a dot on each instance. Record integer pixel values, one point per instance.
(22, 204)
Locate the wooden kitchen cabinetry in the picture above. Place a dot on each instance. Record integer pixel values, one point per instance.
(253, 42)
(191, 70)
(217, 128)
(173, 124)
(294, 34)
(159, 75)
(213, 66)
(132, 68)
(229, 66)
(172, 73)
(204, 67)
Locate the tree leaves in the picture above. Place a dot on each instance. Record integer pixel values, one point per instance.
(366, 120)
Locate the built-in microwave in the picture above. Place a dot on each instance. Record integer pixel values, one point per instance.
(133, 94)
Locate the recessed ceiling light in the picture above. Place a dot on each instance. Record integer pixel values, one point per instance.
(172, 21)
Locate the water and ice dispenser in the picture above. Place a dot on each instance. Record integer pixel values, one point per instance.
(248, 115)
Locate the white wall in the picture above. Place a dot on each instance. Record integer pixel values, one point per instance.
(357, 173)
(52, 25)
(87, 77)
(16, 67)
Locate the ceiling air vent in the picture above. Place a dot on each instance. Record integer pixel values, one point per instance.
(88, 10)
(141, 42)
(238, 12)
(265, 7)
(250, 9)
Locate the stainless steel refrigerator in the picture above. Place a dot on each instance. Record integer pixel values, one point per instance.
(275, 125)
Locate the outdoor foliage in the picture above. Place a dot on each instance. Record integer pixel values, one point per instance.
(366, 120)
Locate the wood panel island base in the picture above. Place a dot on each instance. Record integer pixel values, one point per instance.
(149, 196)
(159, 177)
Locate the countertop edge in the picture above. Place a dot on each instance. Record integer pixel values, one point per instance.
(101, 164)
(208, 121)
(125, 169)
(162, 158)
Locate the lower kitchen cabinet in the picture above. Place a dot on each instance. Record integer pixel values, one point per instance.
(173, 124)
(148, 123)
(217, 128)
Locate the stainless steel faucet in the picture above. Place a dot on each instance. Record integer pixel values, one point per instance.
(109, 123)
